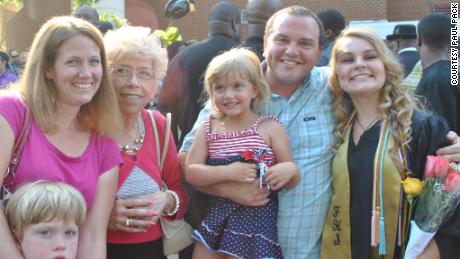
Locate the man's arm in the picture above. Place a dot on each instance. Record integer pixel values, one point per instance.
(451, 152)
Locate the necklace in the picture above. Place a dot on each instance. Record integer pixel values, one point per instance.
(370, 124)
(137, 143)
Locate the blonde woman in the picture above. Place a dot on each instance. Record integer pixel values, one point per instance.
(66, 88)
(137, 63)
(382, 139)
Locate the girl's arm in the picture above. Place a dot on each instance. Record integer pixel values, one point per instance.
(284, 173)
(92, 243)
(9, 248)
(201, 175)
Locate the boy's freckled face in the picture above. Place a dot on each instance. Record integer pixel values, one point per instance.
(54, 239)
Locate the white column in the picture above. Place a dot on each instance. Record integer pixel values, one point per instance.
(115, 7)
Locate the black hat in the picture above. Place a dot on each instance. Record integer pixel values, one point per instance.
(405, 31)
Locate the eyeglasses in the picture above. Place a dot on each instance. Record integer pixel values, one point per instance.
(126, 72)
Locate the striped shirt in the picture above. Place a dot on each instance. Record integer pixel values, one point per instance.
(228, 144)
(307, 117)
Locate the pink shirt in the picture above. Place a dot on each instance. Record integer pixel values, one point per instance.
(42, 160)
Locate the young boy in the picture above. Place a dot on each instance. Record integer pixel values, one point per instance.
(45, 218)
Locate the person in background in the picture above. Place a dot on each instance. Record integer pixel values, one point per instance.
(258, 12)
(45, 219)
(183, 87)
(403, 44)
(91, 15)
(88, 13)
(175, 48)
(14, 56)
(413, 79)
(66, 88)
(378, 124)
(333, 22)
(137, 63)
(439, 95)
(7, 77)
(443, 99)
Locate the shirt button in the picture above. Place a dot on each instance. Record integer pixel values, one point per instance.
(134, 158)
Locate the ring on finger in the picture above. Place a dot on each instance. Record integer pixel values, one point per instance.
(128, 222)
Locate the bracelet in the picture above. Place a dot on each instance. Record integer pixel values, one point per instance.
(177, 203)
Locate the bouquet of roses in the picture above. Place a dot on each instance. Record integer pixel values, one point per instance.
(437, 202)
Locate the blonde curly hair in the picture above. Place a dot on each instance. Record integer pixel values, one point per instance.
(396, 103)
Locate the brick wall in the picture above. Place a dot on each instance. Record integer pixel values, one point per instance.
(194, 25)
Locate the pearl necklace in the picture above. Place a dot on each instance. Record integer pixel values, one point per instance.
(137, 144)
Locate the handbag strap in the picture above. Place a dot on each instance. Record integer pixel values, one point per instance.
(161, 158)
(17, 149)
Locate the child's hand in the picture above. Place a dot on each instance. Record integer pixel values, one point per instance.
(242, 172)
(278, 178)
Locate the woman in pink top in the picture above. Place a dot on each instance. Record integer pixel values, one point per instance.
(66, 88)
(138, 62)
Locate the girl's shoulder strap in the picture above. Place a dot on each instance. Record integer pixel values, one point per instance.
(264, 118)
(207, 125)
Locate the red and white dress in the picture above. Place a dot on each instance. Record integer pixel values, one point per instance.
(231, 228)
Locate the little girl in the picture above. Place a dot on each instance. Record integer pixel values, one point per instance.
(234, 144)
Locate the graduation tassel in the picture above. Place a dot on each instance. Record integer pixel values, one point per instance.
(382, 240)
(382, 243)
(373, 229)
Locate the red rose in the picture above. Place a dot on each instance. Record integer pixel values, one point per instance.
(452, 183)
(436, 166)
(429, 166)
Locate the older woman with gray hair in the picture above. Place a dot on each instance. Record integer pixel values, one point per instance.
(138, 62)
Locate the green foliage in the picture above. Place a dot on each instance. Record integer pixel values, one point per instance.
(170, 35)
(105, 16)
(115, 20)
(15, 2)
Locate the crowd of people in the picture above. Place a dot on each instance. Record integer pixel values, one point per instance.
(288, 144)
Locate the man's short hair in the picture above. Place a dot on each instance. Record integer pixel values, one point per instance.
(224, 11)
(332, 20)
(296, 11)
(88, 13)
(434, 30)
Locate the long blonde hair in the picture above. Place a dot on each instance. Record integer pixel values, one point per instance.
(39, 93)
(396, 104)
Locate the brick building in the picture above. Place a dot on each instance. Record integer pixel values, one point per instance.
(150, 13)
(194, 25)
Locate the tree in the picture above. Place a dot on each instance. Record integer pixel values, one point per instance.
(104, 16)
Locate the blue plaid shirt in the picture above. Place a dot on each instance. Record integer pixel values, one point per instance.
(307, 117)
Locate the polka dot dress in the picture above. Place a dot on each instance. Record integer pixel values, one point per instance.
(231, 228)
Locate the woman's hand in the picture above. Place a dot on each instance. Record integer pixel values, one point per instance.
(133, 215)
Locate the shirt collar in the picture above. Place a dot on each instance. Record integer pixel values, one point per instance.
(407, 49)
